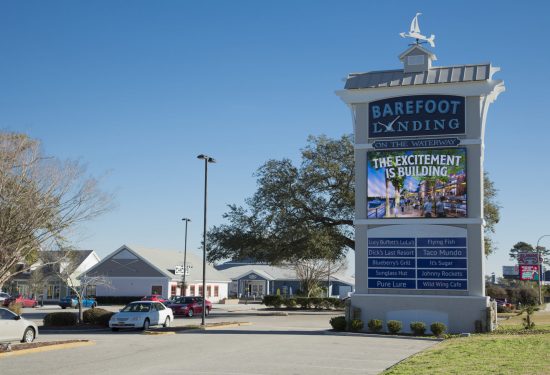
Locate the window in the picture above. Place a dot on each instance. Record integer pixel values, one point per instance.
(208, 291)
(160, 306)
(216, 291)
(192, 290)
(200, 290)
(173, 290)
(156, 289)
(91, 290)
(6, 314)
(53, 291)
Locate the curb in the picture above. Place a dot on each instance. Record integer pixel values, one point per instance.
(228, 325)
(60, 331)
(158, 333)
(46, 348)
(366, 334)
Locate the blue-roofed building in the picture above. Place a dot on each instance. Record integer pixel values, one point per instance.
(254, 279)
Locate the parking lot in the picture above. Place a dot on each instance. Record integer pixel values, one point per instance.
(299, 343)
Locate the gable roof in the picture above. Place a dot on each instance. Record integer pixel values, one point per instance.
(164, 262)
(236, 271)
(416, 47)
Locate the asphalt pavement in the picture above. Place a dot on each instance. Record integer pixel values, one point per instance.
(295, 344)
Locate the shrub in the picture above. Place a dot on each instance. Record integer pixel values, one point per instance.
(60, 319)
(304, 302)
(316, 302)
(290, 303)
(503, 309)
(339, 304)
(528, 296)
(338, 323)
(357, 325)
(418, 328)
(273, 301)
(375, 325)
(15, 307)
(438, 328)
(394, 326)
(97, 316)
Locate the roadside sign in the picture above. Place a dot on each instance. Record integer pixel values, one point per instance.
(529, 272)
(529, 258)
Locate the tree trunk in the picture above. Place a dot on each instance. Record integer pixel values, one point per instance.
(80, 312)
(388, 208)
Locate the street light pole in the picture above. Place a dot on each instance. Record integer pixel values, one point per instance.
(539, 255)
(207, 159)
(184, 286)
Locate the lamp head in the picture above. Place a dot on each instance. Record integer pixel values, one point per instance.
(207, 158)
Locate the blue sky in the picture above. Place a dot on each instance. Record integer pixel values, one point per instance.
(137, 89)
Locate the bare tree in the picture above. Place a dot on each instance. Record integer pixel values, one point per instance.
(42, 199)
(64, 265)
(311, 272)
(37, 282)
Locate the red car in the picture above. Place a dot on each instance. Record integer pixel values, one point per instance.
(155, 297)
(189, 306)
(23, 300)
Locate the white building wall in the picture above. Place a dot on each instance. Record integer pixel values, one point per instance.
(222, 290)
(132, 286)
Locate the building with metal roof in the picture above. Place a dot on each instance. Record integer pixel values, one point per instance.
(133, 271)
(254, 279)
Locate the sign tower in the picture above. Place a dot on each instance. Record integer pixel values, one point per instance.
(419, 145)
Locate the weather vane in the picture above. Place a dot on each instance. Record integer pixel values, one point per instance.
(415, 33)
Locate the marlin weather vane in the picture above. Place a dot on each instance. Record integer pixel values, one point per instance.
(414, 32)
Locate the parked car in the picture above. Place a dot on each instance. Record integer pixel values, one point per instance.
(155, 297)
(13, 327)
(23, 300)
(3, 296)
(72, 301)
(142, 314)
(189, 306)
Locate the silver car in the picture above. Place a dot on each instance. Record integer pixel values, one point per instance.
(15, 328)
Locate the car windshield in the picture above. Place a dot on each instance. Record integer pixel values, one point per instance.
(137, 307)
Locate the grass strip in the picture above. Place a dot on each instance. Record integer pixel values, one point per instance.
(481, 354)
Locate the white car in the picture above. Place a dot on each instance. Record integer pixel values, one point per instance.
(15, 328)
(142, 314)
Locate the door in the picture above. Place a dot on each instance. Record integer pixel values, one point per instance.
(154, 315)
(9, 327)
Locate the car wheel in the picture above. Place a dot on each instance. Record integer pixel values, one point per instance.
(28, 336)
(114, 329)
(166, 322)
(146, 324)
(190, 313)
(94, 305)
(63, 307)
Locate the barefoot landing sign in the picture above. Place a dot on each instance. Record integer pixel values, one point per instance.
(419, 115)
(419, 135)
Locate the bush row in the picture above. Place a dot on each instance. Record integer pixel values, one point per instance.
(303, 302)
(96, 317)
(523, 295)
(339, 323)
(60, 319)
